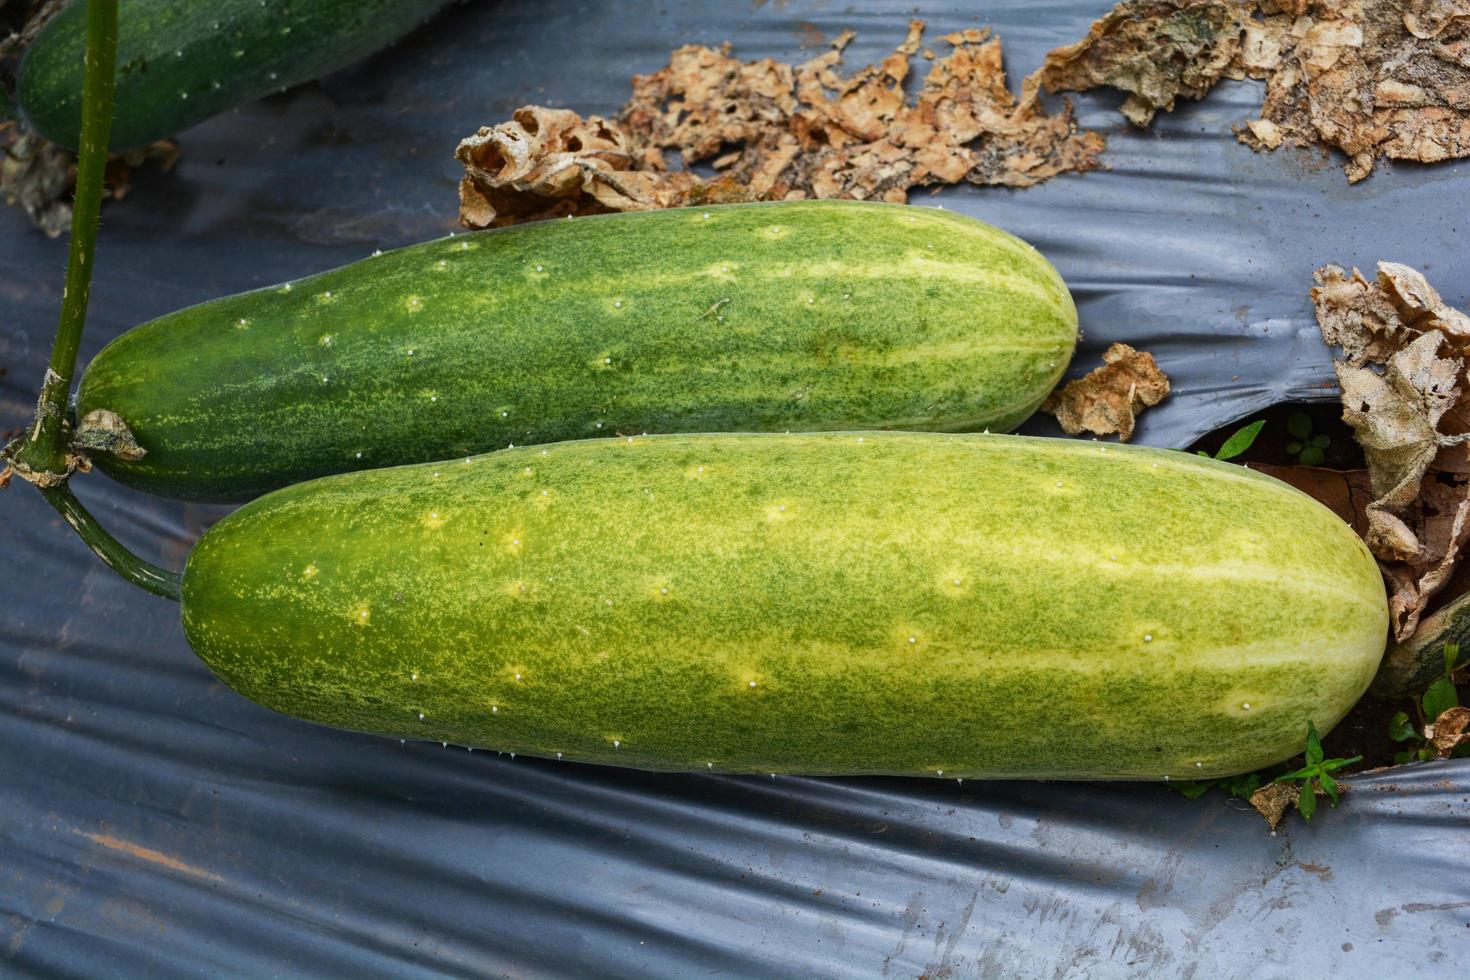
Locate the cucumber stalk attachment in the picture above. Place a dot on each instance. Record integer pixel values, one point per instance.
(42, 456)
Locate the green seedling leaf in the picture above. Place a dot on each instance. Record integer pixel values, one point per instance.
(1241, 787)
(1307, 802)
(1241, 440)
(1401, 729)
(1440, 698)
(1193, 789)
(1332, 765)
(1451, 654)
(1317, 772)
(1308, 449)
(1314, 746)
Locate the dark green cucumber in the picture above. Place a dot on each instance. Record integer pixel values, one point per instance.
(762, 317)
(181, 61)
(904, 603)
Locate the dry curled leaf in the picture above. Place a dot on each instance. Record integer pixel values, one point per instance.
(1447, 732)
(1372, 78)
(104, 431)
(772, 131)
(35, 176)
(38, 176)
(1109, 398)
(1155, 50)
(1403, 381)
(1273, 800)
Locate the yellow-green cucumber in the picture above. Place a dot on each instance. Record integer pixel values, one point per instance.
(901, 603)
(795, 316)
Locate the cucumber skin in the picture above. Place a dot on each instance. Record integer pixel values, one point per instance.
(1112, 627)
(220, 54)
(832, 315)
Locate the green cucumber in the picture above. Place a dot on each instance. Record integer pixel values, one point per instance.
(182, 61)
(800, 316)
(901, 603)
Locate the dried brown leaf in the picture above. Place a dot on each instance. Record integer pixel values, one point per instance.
(1402, 392)
(1394, 415)
(104, 431)
(1447, 732)
(774, 131)
(1372, 78)
(1156, 51)
(1272, 801)
(35, 176)
(1109, 398)
(38, 176)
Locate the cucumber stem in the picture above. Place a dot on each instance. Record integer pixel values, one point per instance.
(43, 451)
(42, 456)
(159, 581)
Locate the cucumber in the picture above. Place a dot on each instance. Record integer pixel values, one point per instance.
(824, 315)
(899, 603)
(182, 61)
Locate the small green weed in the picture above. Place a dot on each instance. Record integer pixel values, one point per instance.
(1438, 698)
(1308, 449)
(1317, 772)
(1239, 787)
(1238, 442)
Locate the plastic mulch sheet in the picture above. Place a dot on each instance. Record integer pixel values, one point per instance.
(153, 823)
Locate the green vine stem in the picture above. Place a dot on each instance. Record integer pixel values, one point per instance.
(159, 581)
(43, 456)
(44, 451)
